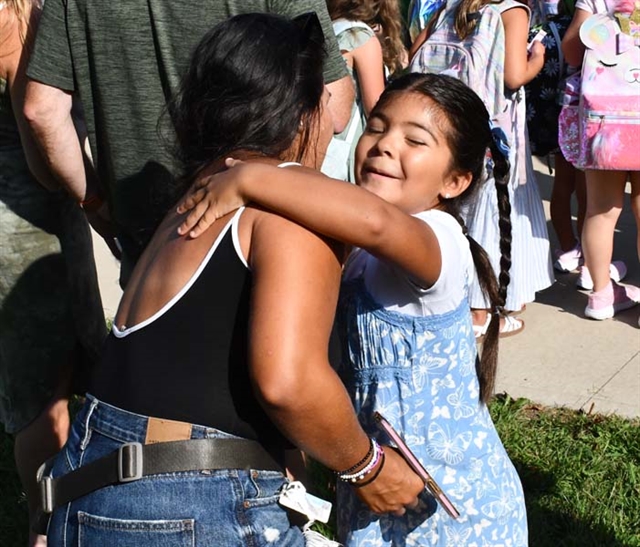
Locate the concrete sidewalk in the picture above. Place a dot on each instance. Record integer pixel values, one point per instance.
(561, 358)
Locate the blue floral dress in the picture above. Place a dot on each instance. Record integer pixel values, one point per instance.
(419, 372)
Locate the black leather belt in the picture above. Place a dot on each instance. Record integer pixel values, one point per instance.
(132, 461)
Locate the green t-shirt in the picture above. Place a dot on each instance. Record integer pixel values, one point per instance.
(125, 60)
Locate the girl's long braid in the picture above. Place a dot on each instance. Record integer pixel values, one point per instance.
(487, 367)
(494, 289)
(501, 178)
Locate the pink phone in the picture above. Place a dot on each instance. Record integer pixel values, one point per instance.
(415, 464)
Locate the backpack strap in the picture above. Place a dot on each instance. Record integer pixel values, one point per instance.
(556, 36)
(340, 25)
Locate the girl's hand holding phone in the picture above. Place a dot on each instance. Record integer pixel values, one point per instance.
(536, 49)
(537, 38)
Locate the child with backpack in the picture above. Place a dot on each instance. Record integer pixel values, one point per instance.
(604, 38)
(543, 95)
(356, 26)
(409, 350)
(485, 44)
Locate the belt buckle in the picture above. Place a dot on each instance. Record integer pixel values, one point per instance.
(130, 457)
(46, 490)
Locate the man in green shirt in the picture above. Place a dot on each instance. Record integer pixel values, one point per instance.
(124, 61)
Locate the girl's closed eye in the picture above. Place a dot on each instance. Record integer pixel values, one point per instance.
(415, 141)
(374, 128)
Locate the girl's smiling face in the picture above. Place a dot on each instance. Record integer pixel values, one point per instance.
(403, 155)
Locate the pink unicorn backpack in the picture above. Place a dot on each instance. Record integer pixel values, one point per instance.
(600, 119)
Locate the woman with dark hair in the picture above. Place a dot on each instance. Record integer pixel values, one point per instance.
(217, 361)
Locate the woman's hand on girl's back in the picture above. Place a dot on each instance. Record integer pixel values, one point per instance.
(395, 489)
(210, 198)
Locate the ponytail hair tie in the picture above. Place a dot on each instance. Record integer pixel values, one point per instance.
(500, 139)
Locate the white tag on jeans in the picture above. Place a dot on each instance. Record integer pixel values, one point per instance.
(315, 539)
(295, 496)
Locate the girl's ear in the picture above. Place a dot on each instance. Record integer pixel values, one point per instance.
(455, 184)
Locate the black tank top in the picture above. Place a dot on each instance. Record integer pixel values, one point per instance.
(188, 362)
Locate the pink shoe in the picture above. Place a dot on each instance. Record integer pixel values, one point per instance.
(617, 272)
(613, 298)
(568, 261)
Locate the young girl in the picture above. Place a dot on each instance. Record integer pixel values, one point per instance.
(409, 348)
(605, 195)
(509, 67)
(356, 25)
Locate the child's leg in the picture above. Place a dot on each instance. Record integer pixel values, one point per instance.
(635, 205)
(581, 198)
(605, 192)
(563, 187)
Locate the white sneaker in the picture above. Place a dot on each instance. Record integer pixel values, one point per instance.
(617, 272)
(570, 260)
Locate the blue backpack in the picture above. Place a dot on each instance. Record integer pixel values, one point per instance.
(543, 93)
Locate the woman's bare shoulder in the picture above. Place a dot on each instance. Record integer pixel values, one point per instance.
(273, 235)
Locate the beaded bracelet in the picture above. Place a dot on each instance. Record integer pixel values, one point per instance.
(373, 477)
(375, 458)
(361, 462)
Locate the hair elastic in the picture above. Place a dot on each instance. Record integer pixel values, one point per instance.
(500, 139)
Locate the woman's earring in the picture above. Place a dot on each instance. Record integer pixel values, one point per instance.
(447, 196)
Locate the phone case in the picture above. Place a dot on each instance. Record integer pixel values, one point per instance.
(431, 485)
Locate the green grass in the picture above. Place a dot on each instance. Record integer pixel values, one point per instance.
(581, 476)
(581, 473)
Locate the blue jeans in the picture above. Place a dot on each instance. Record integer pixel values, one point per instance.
(220, 508)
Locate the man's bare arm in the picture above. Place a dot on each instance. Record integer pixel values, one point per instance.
(47, 110)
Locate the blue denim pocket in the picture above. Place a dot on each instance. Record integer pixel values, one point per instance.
(95, 531)
(262, 488)
(265, 521)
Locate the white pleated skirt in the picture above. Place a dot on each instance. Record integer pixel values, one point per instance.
(531, 267)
